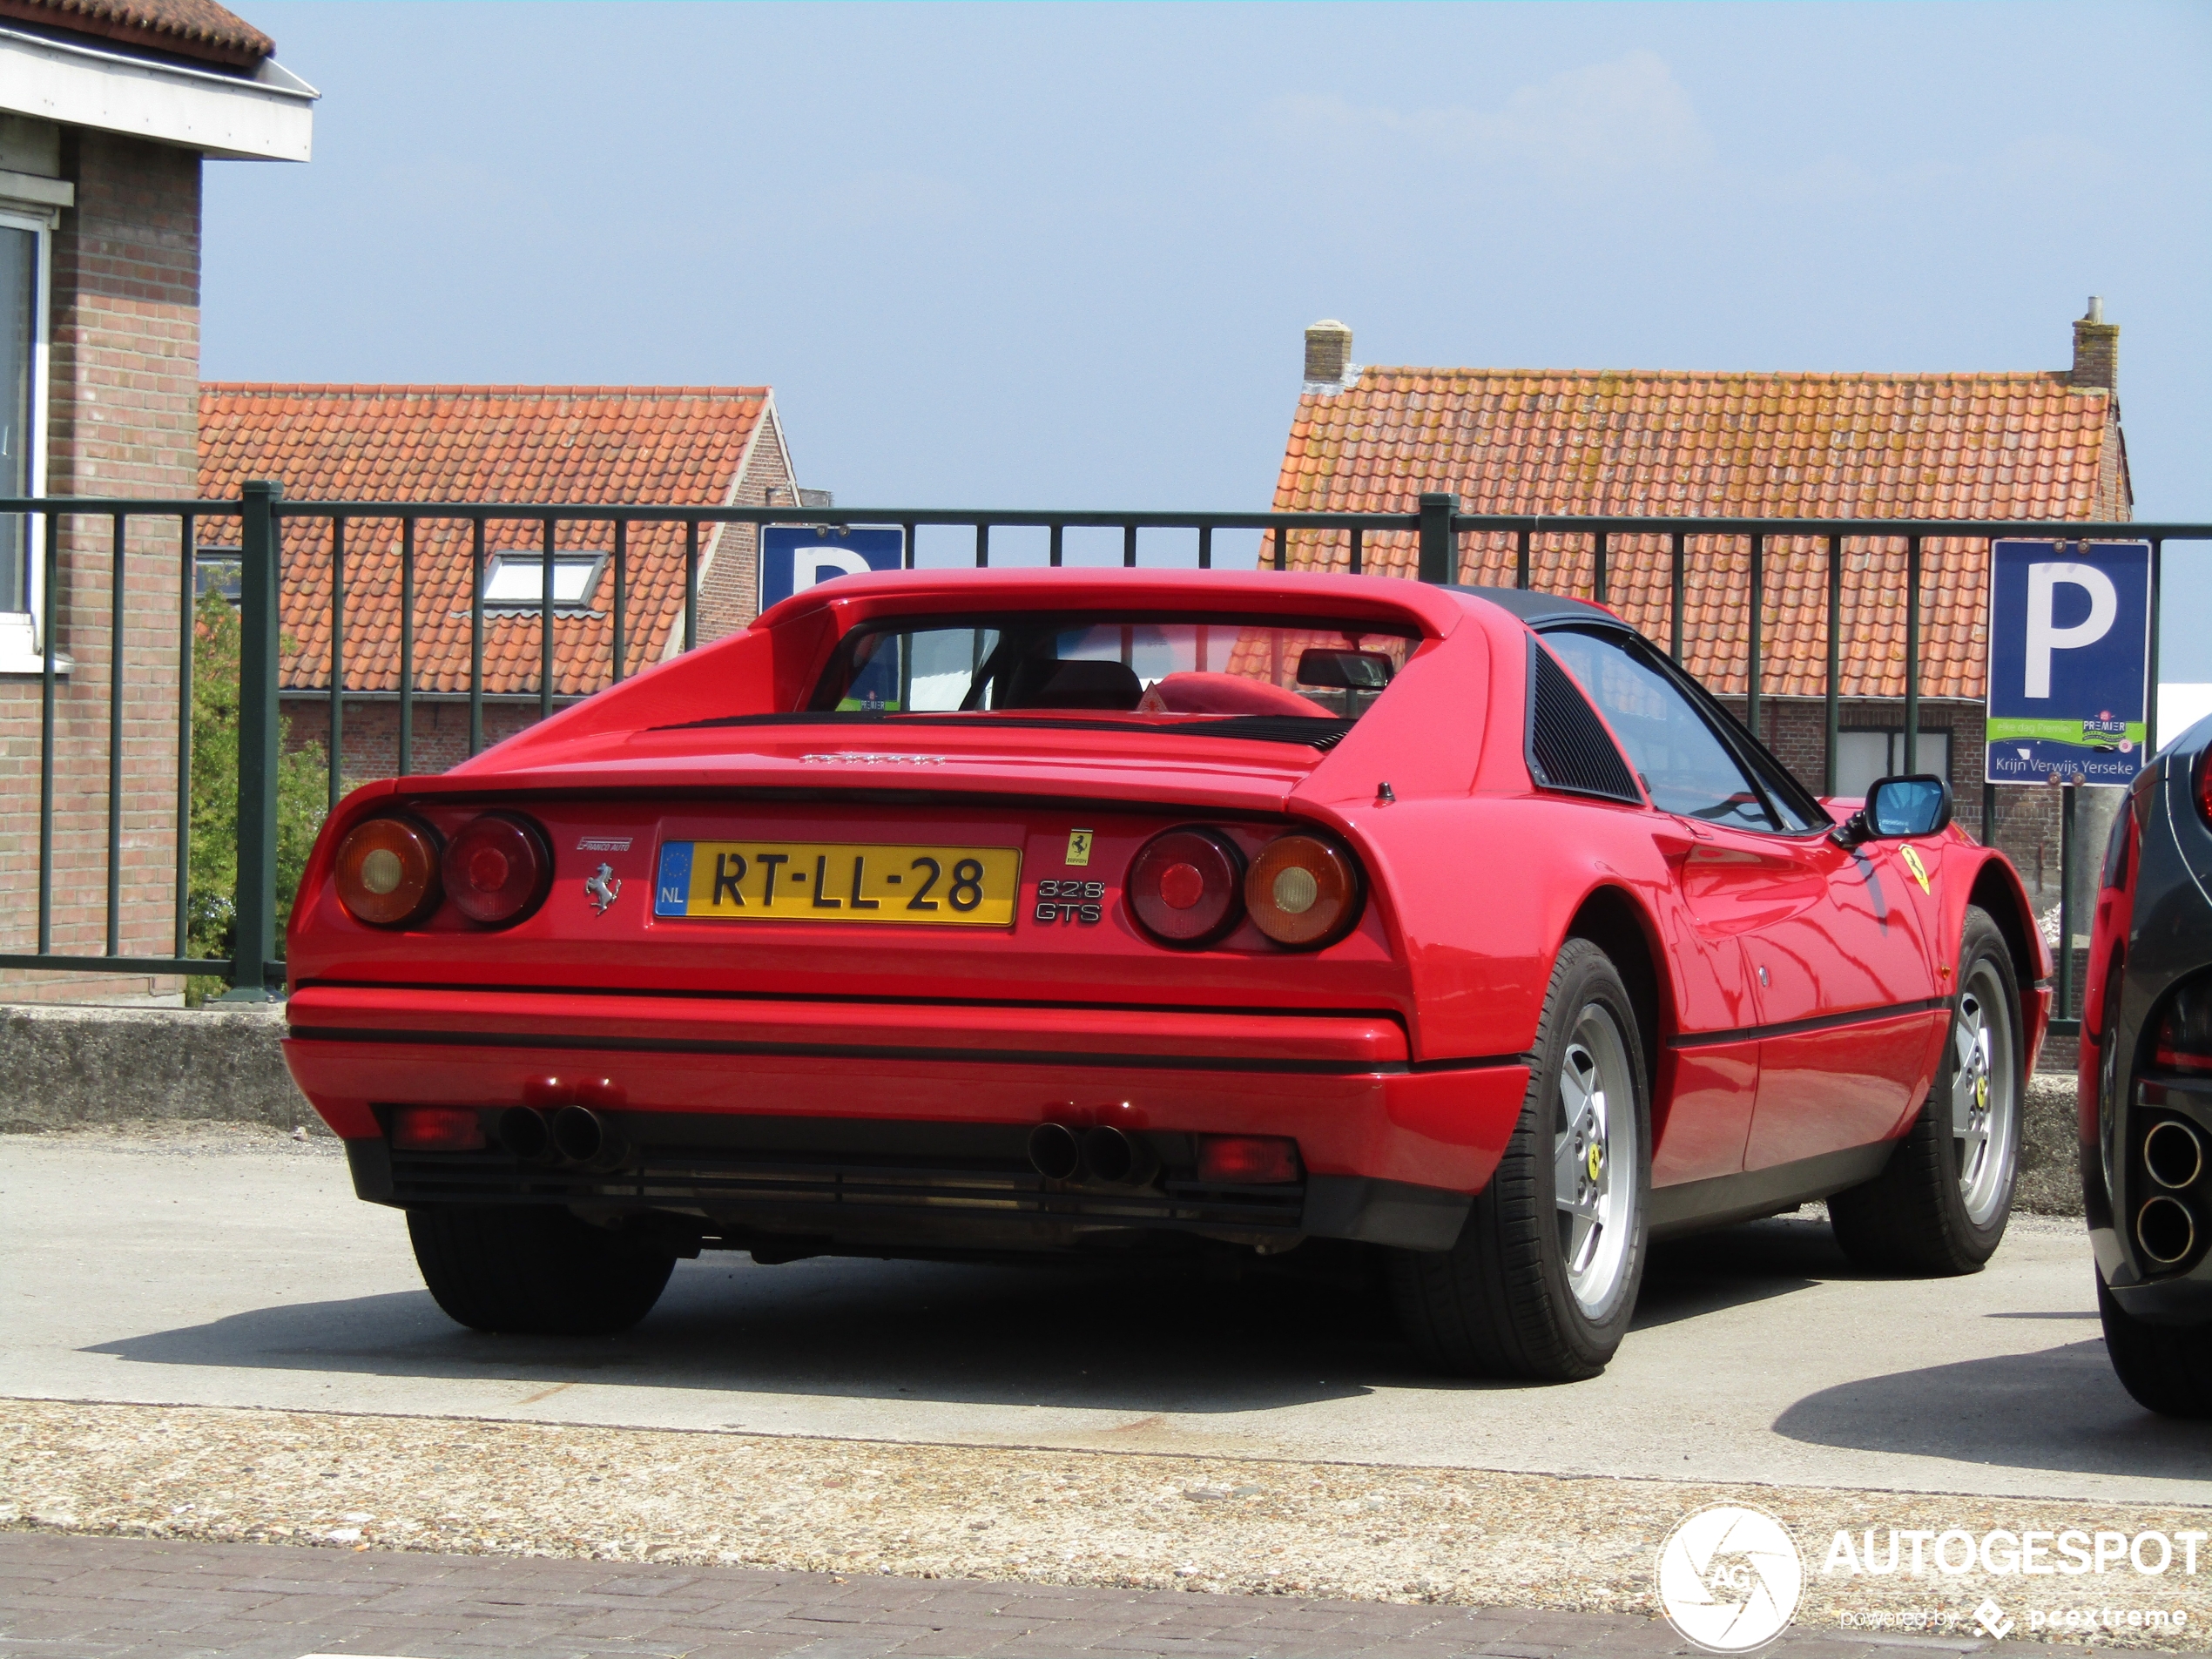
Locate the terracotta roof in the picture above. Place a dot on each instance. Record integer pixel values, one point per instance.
(195, 28)
(665, 446)
(1813, 446)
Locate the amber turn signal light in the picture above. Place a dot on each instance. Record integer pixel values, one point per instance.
(1303, 891)
(497, 869)
(387, 871)
(1183, 886)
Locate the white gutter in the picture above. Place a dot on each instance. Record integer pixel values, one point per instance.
(268, 116)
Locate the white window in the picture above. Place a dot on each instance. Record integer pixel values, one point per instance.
(218, 569)
(1861, 757)
(24, 257)
(516, 580)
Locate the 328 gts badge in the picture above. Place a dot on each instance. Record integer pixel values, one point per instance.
(1069, 901)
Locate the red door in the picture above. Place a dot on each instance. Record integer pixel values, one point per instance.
(1709, 1077)
(1849, 1005)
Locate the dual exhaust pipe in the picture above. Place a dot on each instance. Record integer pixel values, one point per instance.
(573, 1135)
(2166, 1226)
(1102, 1157)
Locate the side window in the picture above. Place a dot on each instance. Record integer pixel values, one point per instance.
(1685, 765)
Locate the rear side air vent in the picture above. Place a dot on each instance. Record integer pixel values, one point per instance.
(1569, 747)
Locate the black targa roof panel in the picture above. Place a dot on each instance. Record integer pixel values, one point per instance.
(1537, 609)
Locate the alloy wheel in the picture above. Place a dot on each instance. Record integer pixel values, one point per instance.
(1593, 1160)
(1985, 1108)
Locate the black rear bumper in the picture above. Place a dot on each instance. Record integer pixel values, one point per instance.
(789, 1186)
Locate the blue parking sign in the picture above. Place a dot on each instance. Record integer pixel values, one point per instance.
(2069, 660)
(794, 557)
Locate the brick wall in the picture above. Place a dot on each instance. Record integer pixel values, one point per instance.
(730, 589)
(439, 743)
(124, 401)
(2027, 817)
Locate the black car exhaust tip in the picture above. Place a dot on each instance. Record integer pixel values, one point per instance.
(1054, 1152)
(2165, 1230)
(581, 1136)
(1115, 1159)
(522, 1131)
(2173, 1154)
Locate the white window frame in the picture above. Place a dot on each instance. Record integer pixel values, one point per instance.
(591, 561)
(20, 642)
(1894, 736)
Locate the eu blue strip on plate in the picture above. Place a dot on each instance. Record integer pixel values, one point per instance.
(672, 888)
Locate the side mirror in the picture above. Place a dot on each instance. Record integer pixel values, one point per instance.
(1899, 808)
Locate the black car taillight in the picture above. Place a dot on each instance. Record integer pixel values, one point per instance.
(387, 872)
(2201, 786)
(497, 869)
(2182, 1038)
(1186, 886)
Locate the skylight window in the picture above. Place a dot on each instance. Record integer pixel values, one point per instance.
(516, 580)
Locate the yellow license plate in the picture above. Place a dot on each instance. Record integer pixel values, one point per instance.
(838, 881)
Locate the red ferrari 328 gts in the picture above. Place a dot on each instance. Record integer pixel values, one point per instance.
(956, 916)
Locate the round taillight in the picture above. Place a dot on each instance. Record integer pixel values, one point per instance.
(1183, 886)
(2203, 785)
(387, 871)
(496, 869)
(1303, 891)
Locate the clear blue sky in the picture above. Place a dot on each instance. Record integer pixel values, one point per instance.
(1062, 255)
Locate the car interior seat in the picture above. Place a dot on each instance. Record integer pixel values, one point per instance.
(1047, 682)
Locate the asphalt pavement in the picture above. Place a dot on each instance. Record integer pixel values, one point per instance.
(235, 1268)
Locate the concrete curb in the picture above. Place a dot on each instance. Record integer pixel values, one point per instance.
(2050, 1178)
(65, 1066)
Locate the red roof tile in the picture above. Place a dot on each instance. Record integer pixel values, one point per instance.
(655, 445)
(196, 28)
(2015, 446)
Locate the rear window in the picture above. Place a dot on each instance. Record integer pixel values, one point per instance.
(1133, 669)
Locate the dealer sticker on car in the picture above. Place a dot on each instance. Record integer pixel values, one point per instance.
(838, 881)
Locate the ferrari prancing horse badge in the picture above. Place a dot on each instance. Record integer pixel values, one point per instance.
(601, 889)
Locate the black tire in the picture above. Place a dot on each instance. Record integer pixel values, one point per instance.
(1916, 1216)
(1503, 1302)
(2166, 1367)
(526, 1270)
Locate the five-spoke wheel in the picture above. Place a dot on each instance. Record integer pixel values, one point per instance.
(1597, 1216)
(1941, 1204)
(1543, 1279)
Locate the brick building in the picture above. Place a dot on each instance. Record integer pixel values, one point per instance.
(1998, 446)
(108, 109)
(663, 446)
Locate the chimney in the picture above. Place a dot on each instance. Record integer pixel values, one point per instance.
(1328, 357)
(2096, 349)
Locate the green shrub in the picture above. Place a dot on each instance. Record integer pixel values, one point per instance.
(302, 798)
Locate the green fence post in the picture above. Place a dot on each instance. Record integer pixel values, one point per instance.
(257, 743)
(1437, 541)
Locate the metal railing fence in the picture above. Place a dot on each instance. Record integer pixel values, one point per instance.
(1438, 530)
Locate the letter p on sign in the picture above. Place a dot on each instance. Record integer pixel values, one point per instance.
(2045, 636)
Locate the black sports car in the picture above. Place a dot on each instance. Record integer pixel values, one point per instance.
(2147, 1083)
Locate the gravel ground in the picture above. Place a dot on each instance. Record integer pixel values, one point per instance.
(1330, 1530)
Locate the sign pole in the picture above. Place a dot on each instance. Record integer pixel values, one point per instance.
(2066, 903)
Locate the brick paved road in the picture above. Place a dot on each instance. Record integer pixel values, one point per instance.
(64, 1598)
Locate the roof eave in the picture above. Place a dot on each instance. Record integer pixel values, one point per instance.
(266, 116)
